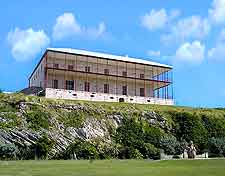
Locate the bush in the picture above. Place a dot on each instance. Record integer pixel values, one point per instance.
(170, 145)
(215, 125)
(149, 151)
(153, 135)
(107, 150)
(176, 157)
(42, 147)
(130, 134)
(8, 151)
(72, 119)
(26, 152)
(81, 150)
(130, 153)
(189, 127)
(217, 147)
(37, 119)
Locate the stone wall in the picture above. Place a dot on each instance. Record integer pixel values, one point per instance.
(93, 96)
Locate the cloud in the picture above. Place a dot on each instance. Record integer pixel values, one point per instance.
(217, 12)
(190, 52)
(217, 53)
(25, 44)
(158, 19)
(152, 53)
(96, 32)
(193, 27)
(67, 26)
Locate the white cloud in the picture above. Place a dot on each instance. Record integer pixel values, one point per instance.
(67, 26)
(217, 53)
(193, 27)
(217, 12)
(190, 52)
(158, 19)
(152, 53)
(155, 19)
(96, 32)
(25, 44)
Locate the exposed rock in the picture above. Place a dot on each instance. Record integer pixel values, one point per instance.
(91, 128)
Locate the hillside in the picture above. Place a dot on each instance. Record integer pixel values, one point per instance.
(113, 130)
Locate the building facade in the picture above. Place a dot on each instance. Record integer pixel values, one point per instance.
(83, 75)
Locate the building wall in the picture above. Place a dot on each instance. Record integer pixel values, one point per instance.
(97, 84)
(97, 81)
(37, 79)
(92, 96)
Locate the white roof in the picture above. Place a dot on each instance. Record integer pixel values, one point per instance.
(109, 56)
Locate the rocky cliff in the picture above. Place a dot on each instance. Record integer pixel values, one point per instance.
(24, 119)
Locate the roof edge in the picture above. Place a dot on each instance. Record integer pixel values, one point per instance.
(108, 56)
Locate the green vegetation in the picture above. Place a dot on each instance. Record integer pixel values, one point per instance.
(144, 129)
(8, 151)
(37, 118)
(114, 168)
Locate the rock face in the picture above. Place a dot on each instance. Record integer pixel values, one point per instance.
(91, 128)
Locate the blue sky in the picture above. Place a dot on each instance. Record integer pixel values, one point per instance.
(190, 35)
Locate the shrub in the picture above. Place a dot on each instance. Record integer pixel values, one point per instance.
(72, 119)
(107, 150)
(26, 152)
(170, 145)
(149, 151)
(129, 153)
(37, 119)
(10, 120)
(42, 147)
(130, 134)
(8, 151)
(217, 146)
(189, 127)
(153, 135)
(176, 157)
(215, 125)
(81, 150)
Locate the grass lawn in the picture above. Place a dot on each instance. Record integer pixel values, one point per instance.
(113, 168)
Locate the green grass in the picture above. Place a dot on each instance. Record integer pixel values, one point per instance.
(113, 168)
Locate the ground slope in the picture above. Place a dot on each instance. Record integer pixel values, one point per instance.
(24, 119)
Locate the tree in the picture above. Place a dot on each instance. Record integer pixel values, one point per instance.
(217, 146)
(42, 147)
(130, 134)
(81, 149)
(189, 127)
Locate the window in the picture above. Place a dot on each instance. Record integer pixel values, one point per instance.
(106, 88)
(142, 92)
(87, 69)
(124, 73)
(142, 76)
(106, 71)
(87, 86)
(70, 67)
(56, 65)
(69, 85)
(55, 84)
(124, 88)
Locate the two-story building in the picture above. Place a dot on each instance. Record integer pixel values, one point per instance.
(83, 75)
